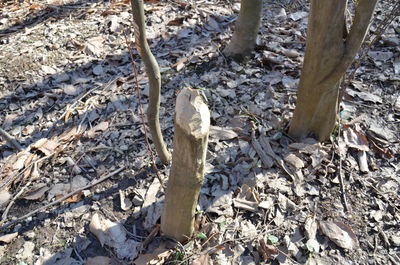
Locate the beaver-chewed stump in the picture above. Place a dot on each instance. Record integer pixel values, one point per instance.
(192, 125)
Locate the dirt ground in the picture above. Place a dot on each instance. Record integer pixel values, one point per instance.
(81, 172)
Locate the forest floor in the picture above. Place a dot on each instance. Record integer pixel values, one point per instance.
(67, 96)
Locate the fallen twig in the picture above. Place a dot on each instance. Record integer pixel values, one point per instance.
(3, 227)
(9, 139)
(342, 189)
(267, 161)
(278, 159)
(341, 181)
(4, 216)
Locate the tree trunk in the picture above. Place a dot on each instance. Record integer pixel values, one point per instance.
(246, 30)
(328, 55)
(192, 125)
(153, 73)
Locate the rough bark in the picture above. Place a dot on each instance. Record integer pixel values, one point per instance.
(328, 56)
(192, 125)
(153, 73)
(246, 30)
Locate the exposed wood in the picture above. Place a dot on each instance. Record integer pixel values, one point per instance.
(327, 58)
(192, 125)
(246, 30)
(153, 72)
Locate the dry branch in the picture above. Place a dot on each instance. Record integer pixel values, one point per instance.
(95, 182)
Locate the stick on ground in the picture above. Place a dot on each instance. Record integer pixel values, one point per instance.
(20, 219)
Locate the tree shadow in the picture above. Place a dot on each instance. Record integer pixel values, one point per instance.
(50, 12)
(52, 100)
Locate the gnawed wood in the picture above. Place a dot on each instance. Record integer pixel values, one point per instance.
(192, 125)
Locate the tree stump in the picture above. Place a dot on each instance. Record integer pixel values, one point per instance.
(192, 125)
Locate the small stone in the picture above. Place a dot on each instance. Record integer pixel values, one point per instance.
(98, 70)
(124, 147)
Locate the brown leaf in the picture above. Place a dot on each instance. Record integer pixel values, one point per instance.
(203, 259)
(179, 64)
(70, 134)
(158, 256)
(267, 252)
(176, 22)
(355, 139)
(46, 146)
(94, 46)
(36, 193)
(74, 198)
(102, 126)
(32, 7)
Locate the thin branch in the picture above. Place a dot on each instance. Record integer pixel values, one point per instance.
(153, 73)
(9, 139)
(140, 107)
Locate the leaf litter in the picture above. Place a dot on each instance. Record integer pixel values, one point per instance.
(69, 102)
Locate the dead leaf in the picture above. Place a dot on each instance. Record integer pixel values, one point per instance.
(114, 235)
(49, 70)
(247, 199)
(21, 159)
(8, 237)
(291, 53)
(94, 46)
(179, 64)
(380, 56)
(157, 257)
(37, 192)
(102, 126)
(70, 90)
(298, 15)
(58, 190)
(355, 139)
(32, 7)
(341, 234)
(126, 204)
(176, 22)
(74, 198)
(310, 228)
(46, 146)
(223, 134)
(71, 134)
(5, 196)
(267, 252)
(294, 160)
(362, 161)
(366, 96)
(203, 259)
(99, 260)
